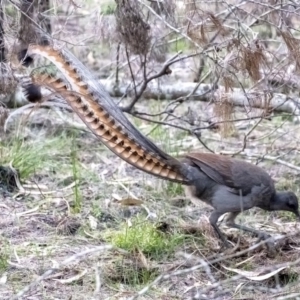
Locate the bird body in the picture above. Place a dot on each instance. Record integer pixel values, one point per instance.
(227, 184)
(234, 173)
(231, 186)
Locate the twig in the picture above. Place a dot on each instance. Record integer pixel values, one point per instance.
(162, 123)
(97, 281)
(131, 72)
(247, 135)
(204, 264)
(268, 157)
(62, 264)
(117, 65)
(162, 72)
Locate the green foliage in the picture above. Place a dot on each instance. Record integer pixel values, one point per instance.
(285, 117)
(4, 256)
(286, 216)
(77, 194)
(108, 8)
(31, 156)
(49, 69)
(287, 183)
(96, 210)
(131, 272)
(9, 10)
(179, 45)
(144, 235)
(26, 156)
(174, 189)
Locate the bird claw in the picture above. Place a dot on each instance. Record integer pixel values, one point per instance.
(270, 244)
(227, 245)
(263, 236)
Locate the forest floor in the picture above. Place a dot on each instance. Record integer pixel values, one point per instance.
(75, 196)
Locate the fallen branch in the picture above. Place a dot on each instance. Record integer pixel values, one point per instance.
(277, 102)
(267, 157)
(67, 261)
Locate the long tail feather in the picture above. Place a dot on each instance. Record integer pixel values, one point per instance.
(99, 112)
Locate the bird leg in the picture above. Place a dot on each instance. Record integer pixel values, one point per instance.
(230, 223)
(258, 193)
(225, 201)
(213, 219)
(260, 234)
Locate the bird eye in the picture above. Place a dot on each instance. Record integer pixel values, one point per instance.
(292, 203)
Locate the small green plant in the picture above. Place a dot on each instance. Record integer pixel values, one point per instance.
(96, 210)
(131, 272)
(108, 8)
(4, 256)
(23, 156)
(287, 183)
(248, 266)
(49, 69)
(173, 189)
(144, 235)
(10, 11)
(286, 216)
(179, 45)
(31, 156)
(77, 194)
(288, 278)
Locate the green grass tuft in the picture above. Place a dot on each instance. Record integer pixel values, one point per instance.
(4, 256)
(179, 45)
(143, 235)
(173, 189)
(29, 157)
(108, 8)
(25, 156)
(76, 174)
(131, 272)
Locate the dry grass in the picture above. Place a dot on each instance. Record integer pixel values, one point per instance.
(71, 204)
(65, 231)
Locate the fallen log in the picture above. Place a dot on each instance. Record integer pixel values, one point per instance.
(258, 99)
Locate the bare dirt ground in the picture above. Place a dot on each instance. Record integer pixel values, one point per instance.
(72, 198)
(70, 204)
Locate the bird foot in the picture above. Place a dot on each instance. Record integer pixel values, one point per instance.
(270, 244)
(226, 245)
(262, 236)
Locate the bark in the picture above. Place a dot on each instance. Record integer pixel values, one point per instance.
(276, 101)
(2, 45)
(33, 27)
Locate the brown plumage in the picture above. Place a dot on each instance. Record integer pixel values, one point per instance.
(227, 184)
(98, 111)
(231, 172)
(232, 185)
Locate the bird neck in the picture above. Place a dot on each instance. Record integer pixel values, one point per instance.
(276, 202)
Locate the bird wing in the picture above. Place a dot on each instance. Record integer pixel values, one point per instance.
(216, 167)
(236, 174)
